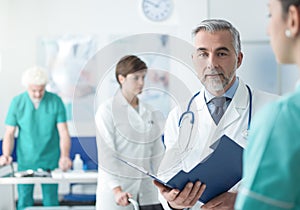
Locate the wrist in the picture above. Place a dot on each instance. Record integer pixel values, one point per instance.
(6, 155)
(172, 208)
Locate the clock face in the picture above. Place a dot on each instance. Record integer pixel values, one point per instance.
(157, 10)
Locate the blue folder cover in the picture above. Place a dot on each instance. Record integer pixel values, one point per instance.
(220, 171)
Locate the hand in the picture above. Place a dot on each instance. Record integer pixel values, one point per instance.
(5, 160)
(65, 163)
(224, 201)
(121, 197)
(182, 199)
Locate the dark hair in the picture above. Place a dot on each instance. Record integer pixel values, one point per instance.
(287, 3)
(213, 25)
(128, 65)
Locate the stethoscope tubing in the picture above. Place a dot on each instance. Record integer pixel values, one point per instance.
(188, 110)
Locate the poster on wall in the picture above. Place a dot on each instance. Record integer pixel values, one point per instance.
(84, 76)
(64, 58)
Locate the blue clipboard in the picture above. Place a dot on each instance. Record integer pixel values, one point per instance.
(220, 171)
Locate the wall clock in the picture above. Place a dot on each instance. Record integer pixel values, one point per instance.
(157, 10)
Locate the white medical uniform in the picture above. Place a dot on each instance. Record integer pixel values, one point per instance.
(234, 124)
(133, 136)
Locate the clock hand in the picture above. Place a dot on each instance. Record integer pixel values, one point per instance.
(152, 3)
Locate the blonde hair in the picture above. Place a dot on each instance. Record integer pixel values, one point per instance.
(34, 76)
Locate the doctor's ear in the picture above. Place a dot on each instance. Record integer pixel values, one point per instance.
(239, 59)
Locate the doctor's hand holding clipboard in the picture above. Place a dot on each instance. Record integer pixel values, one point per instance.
(188, 197)
(177, 199)
(182, 199)
(218, 173)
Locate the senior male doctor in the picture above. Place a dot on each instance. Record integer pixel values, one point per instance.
(218, 55)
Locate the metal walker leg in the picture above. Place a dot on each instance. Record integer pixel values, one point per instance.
(134, 203)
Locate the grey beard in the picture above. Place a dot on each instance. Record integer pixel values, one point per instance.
(215, 85)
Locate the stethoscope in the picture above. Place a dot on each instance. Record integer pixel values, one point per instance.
(183, 145)
(191, 113)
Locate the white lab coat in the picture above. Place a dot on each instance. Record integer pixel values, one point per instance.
(234, 124)
(135, 137)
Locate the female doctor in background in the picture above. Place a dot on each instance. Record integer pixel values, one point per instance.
(130, 130)
(271, 161)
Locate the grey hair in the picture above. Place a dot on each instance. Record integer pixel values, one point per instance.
(213, 25)
(34, 76)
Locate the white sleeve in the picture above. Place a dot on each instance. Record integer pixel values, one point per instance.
(106, 143)
(171, 129)
(170, 137)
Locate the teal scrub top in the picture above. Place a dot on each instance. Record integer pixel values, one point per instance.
(272, 158)
(38, 138)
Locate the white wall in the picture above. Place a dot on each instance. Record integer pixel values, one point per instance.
(22, 23)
